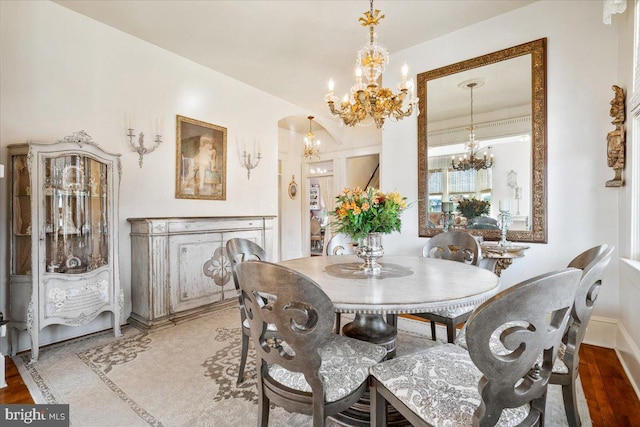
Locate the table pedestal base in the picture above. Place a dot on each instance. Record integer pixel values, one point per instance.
(373, 328)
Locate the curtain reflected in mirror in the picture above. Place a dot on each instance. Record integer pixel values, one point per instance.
(482, 144)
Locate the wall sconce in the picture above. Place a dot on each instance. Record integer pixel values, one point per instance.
(250, 162)
(139, 147)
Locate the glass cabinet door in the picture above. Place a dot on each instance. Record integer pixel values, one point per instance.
(75, 214)
(21, 216)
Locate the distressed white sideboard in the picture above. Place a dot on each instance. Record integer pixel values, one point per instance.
(179, 266)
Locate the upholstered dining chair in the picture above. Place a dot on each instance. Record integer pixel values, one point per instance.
(308, 370)
(592, 262)
(341, 244)
(240, 250)
(484, 386)
(454, 246)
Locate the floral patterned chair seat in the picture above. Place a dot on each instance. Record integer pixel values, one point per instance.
(441, 386)
(344, 367)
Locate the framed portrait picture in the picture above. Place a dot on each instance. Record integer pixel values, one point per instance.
(293, 188)
(201, 160)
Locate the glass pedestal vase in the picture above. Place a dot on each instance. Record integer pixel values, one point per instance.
(369, 250)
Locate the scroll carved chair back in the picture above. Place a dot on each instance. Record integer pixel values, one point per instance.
(303, 315)
(506, 382)
(454, 246)
(341, 244)
(509, 380)
(592, 262)
(240, 250)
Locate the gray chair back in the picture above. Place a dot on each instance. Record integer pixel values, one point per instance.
(303, 315)
(240, 250)
(592, 262)
(520, 374)
(485, 220)
(454, 246)
(341, 244)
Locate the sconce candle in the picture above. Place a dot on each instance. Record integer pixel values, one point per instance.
(504, 205)
(447, 206)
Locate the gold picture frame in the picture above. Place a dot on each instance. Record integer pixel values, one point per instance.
(293, 188)
(201, 160)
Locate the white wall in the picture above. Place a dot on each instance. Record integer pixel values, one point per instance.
(339, 143)
(62, 72)
(628, 337)
(581, 211)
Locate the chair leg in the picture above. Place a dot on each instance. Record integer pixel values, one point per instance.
(433, 329)
(378, 408)
(338, 323)
(263, 407)
(451, 332)
(243, 358)
(570, 404)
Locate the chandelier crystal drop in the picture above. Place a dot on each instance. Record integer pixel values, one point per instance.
(368, 102)
(472, 161)
(311, 144)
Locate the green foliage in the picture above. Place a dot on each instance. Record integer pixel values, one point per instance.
(473, 207)
(359, 213)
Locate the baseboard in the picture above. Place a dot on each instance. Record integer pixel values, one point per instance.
(629, 356)
(602, 332)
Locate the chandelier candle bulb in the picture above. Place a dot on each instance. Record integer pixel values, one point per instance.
(405, 71)
(447, 206)
(504, 205)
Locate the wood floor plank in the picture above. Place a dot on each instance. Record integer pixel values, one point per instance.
(16, 391)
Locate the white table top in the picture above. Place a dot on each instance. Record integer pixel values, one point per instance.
(407, 284)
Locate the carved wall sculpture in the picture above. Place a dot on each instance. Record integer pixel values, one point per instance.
(616, 143)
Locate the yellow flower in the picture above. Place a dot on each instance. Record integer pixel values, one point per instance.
(356, 210)
(346, 190)
(357, 190)
(365, 206)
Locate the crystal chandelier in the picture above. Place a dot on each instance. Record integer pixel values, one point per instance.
(367, 100)
(311, 144)
(472, 162)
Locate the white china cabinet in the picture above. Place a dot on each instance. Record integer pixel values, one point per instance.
(64, 234)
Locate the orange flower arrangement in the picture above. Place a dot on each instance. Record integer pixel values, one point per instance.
(360, 212)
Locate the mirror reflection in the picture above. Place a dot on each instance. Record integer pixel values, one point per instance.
(482, 145)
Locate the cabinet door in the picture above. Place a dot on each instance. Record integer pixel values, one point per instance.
(197, 270)
(20, 216)
(76, 283)
(75, 216)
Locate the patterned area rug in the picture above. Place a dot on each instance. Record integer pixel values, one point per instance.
(179, 376)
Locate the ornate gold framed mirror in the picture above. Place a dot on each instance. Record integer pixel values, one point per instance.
(482, 139)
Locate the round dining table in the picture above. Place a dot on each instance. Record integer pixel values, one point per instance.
(405, 284)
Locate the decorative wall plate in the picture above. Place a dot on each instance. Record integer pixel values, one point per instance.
(293, 188)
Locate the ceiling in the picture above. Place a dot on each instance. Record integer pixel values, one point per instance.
(288, 48)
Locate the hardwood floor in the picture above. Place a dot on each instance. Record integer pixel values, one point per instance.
(16, 391)
(611, 398)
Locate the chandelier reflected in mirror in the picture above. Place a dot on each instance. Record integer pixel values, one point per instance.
(368, 102)
(472, 161)
(311, 144)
